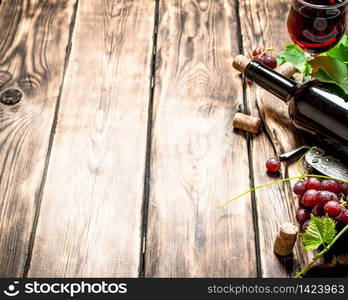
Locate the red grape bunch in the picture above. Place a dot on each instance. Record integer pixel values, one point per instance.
(260, 55)
(321, 197)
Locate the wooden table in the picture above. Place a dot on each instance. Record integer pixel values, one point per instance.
(121, 148)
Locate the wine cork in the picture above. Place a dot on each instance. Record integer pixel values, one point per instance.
(240, 62)
(286, 239)
(298, 76)
(247, 123)
(287, 69)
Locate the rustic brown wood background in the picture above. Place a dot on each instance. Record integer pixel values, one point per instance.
(122, 147)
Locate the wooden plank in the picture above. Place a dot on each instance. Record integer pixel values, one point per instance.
(90, 221)
(198, 162)
(263, 24)
(34, 36)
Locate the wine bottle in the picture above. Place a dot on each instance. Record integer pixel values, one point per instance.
(320, 109)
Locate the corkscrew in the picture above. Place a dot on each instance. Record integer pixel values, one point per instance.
(319, 160)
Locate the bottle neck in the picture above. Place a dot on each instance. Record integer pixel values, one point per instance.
(275, 83)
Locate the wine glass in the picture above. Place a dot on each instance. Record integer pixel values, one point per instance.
(317, 25)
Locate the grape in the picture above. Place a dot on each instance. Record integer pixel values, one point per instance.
(269, 61)
(331, 186)
(256, 52)
(345, 188)
(273, 165)
(332, 208)
(324, 197)
(309, 198)
(344, 216)
(313, 183)
(318, 211)
(300, 203)
(305, 225)
(302, 215)
(299, 188)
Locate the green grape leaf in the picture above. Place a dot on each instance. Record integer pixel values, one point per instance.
(344, 40)
(296, 56)
(320, 231)
(340, 51)
(330, 70)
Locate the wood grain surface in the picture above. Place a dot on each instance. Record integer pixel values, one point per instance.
(34, 36)
(198, 161)
(121, 149)
(90, 220)
(263, 24)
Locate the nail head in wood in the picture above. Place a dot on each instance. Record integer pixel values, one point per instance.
(11, 97)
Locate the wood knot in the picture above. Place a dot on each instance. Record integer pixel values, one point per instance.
(11, 97)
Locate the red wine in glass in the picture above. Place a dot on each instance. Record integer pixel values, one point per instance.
(317, 25)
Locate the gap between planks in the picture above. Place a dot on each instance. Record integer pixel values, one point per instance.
(170, 252)
(107, 98)
(248, 136)
(147, 175)
(50, 143)
(33, 30)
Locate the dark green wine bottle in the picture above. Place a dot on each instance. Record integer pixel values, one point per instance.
(320, 109)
